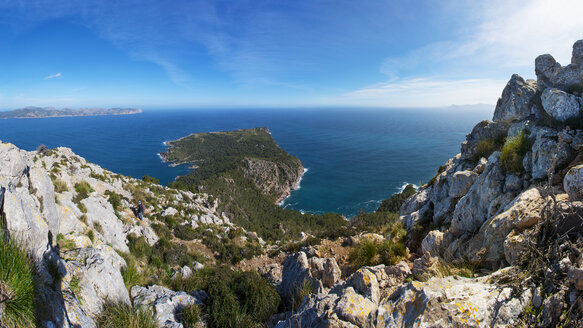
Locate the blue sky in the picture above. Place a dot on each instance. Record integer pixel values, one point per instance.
(183, 54)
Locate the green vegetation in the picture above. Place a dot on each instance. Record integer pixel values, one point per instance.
(83, 190)
(221, 172)
(236, 298)
(115, 201)
(150, 179)
(190, 315)
(16, 285)
(369, 252)
(393, 204)
(487, 146)
(513, 153)
(121, 315)
(65, 244)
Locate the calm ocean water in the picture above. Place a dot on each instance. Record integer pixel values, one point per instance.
(355, 157)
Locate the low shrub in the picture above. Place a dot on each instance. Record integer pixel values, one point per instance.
(190, 315)
(16, 285)
(150, 179)
(60, 185)
(393, 204)
(162, 231)
(114, 199)
(486, 147)
(236, 298)
(64, 243)
(121, 315)
(185, 232)
(83, 190)
(513, 153)
(363, 254)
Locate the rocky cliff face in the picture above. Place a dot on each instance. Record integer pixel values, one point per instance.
(60, 207)
(509, 205)
(274, 178)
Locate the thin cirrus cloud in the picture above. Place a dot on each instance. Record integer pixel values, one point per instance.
(53, 76)
(505, 38)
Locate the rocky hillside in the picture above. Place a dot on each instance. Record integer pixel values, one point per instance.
(507, 210)
(77, 221)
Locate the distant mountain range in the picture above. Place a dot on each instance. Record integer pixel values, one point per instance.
(40, 112)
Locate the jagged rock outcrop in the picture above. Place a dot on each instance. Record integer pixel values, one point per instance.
(165, 303)
(54, 196)
(274, 178)
(516, 101)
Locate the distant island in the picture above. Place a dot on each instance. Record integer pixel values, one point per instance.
(41, 112)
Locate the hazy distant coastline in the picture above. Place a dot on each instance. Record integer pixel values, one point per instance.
(42, 112)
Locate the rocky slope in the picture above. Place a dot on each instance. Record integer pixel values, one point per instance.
(60, 207)
(508, 205)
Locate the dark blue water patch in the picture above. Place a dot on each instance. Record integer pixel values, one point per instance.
(355, 157)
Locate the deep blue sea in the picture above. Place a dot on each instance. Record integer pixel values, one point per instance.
(355, 157)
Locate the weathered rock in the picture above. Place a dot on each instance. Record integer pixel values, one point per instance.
(100, 211)
(514, 247)
(366, 284)
(98, 271)
(487, 247)
(142, 230)
(433, 243)
(573, 183)
(552, 309)
(452, 302)
(482, 131)
(296, 274)
(354, 308)
(560, 105)
(315, 311)
(425, 267)
(544, 150)
(575, 276)
(516, 101)
(397, 273)
(472, 209)
(271, 272)
(577, 55)
(546, 68)
(461, 183)
(165, 303)
(331, 273)
(169, 211)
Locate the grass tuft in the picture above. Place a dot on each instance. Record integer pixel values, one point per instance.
(120, 315)
(513, 153)
(16, 284)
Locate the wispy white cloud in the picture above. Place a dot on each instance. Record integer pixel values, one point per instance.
(53, 76)
(499, 38)
(428, 92)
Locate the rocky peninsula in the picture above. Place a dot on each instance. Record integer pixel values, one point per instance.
(494, 239)
(42, 112)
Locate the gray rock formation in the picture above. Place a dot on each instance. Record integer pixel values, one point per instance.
(560, 105)
(516, 101)
(165, 303)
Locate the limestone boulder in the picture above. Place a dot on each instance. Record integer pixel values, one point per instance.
(560, 105)
(332, 273)
(461, 182)
(295, 275)
(165, 303)
(101, 213)
(544, 150)
(516, 101)
(472, 209)
(366, 284)
(573, 183)
(433, 243)
(546, 69)
(355, 308)
(482, 131)
(451, 302)
(98, 275)
(142, 231)
(577, 55)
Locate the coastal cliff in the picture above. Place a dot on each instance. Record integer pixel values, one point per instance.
(43, 112)
(494, 239)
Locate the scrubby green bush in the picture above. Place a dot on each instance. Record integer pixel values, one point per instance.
(390, 253)
(60, 185)
(16, 285)
(363, 254)
(114, 199)
(185, 232)
(64, 243)
(190, 315)
(486, 147)
(83, 190)
(235, 298)
(393, 204)
(150, 179)
(513, 153)
(162, 231)
(121, 315)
